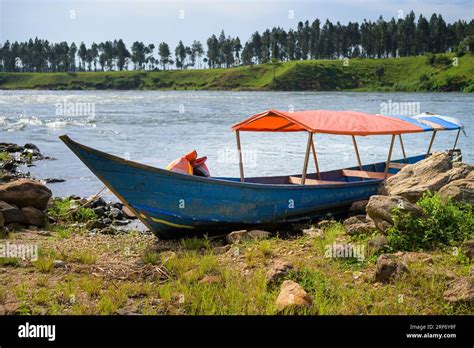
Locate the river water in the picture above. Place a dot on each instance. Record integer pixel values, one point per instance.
(155, 127)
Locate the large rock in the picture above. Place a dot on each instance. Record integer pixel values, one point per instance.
(428, 175)
(359, 224)
(389, 267)
(25, 193)
(460, 290)
(11, 213)
(2, 220)
(459, 190)
(33, 216)
(292, 295)
(380, 209)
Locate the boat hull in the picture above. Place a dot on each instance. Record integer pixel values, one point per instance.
(175, 205)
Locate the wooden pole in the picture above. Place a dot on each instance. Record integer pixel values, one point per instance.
(357, 152)
(431, 143)
(403, 148)
(457, 138)
(306, 158)
(239, 150)
(389, 156)
(315, 159)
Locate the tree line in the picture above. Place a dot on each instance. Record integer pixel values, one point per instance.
(400, 37)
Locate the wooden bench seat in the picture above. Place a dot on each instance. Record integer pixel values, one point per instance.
(297, 180)
(395, 165)
(364, 174)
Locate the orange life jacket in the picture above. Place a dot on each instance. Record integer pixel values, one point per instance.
(183, 164)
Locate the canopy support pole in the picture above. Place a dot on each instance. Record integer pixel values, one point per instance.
(357, 152)
(457, 138)
(315, 159)
(431, 143)
(239, 150)
(306, 158)
(403, 148)
(389, 156)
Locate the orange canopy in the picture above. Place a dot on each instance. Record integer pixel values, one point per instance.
(326, 121)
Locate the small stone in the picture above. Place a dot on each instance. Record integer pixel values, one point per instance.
(242, 235)
(278, 271)
(115, 213)
(359, 224)
(98, 202)
(221, 249)
(388, 268)
(99, 211)
(325, 223)
(44, 233)
(59, 264)
(377, 243)
(314, 233)
(210, 279)
(129, 310)
(292, 295)
(53, 180)
(128, 213)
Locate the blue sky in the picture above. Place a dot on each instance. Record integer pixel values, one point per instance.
(153, 21)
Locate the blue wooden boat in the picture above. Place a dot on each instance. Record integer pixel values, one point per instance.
(175, 205)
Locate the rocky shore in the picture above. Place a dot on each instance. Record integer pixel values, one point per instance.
(407, 250)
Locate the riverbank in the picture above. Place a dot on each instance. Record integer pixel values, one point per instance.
(435, 73)
(401, 252)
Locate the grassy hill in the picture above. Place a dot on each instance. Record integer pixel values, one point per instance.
(422, 73)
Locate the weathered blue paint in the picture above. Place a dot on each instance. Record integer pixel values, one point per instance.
(174, 205)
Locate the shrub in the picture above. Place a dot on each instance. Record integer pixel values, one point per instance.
(64, 210)
(445, 223)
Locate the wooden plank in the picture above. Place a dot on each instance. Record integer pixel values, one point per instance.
(363, 174)
(396, 165)
(297, 180)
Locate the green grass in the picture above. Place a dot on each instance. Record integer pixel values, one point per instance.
(44, 264)
(9, 261)
(4, 156)
(391, 74)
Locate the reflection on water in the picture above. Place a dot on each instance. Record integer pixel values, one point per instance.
(156, 127)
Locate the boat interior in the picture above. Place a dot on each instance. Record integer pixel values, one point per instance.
(368, 172)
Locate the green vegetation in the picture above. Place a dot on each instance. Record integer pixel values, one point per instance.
(423, 73)
(4, 156)
(446, 223)
(133, 273)
(65, 210)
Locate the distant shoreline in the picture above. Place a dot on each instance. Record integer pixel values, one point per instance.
(406, 74)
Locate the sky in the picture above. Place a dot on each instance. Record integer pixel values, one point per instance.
(154, 21)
